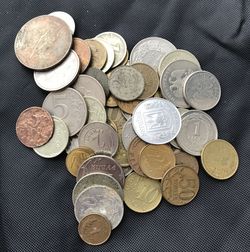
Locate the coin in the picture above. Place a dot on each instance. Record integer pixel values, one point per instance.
(68, 105)
(60, 76)
(126, 83)
(94, 229)
(72, 144)
(151, 80)
(125, 62)
(96, 178)
(127, 107)
(127, 170)
(43, 42)
(141, 194)
(128, 133)
(202, 90)
(112, 124)
(126, 115)
(197, 129)
(180, 185)
(150, 51)
(57, 143)
(115, 115)
(76, 157)
(121, 155)
(172, 81)
(158, 94)
(155, 160)
(83, 51)
(100, 137)
(101, 200)
(156, 121)
(34, 127)
(112, 102)
(220, 159)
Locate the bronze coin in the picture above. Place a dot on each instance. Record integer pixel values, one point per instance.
(112, 102)
(127, 107)
(34, 127)
(83, 51)
(43, 42)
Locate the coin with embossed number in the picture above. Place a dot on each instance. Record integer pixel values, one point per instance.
(96, 111)
(128, 133)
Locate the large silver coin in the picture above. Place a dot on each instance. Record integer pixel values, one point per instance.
(202, 90)
(128, 133)
(197, 129)
(60, 76)
(172, 81)
(150, 51)
(68, 105)
(156, 121)
(96, 178)
(100, 199)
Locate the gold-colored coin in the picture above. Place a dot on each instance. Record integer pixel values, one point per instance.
(219, 159)
(155, 160)
(76, 157)
(112, 102)
(127, 107)
(141, 194)
(180, 185)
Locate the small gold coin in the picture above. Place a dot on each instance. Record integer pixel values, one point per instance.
(219, 159)
(112, 102)
(127, 107)
(180, 185)
(141, 194)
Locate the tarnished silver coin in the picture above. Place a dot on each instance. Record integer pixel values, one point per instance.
(156, 121)
(72, 144)
(126, 83)
(172, 81)
(150, 51)
(197, 129)
(100, 137)
(128, 133)
(60, 76)
(127, 170)
(57, 143)
(100, 199)
(68, 105)
(202, 90)
(96, 178)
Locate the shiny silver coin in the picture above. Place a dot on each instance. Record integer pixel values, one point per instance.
(60, 76)
(156, 121)
(202, 90)
(72, 144)
(128, 133)
(172, 81)
(100, 199)
(197, 129)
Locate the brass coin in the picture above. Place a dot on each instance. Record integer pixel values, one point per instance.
(127, 107)
(76, 157)
(112, 102)
(180, 185)
(156, 160)
(141, 194)
(220, 159)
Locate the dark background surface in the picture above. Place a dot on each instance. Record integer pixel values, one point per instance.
(36, 213)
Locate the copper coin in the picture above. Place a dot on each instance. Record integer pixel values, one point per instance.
(43, 42)
(112, 102)
(34, 127)
(127, 107)
(83, 51)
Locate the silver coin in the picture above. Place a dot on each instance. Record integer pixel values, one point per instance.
(150, 51)
(58, 142)
(197, 129)
(202, 90)
(126, 83)
(128, 133)
(72, 144)
(96, 178)
(100, 199)
(172, 81)
(127, 170)
(156, 121)
(68, 105)
(126, 115)
(60, 76)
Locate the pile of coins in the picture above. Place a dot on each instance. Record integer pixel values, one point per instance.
(126, 125)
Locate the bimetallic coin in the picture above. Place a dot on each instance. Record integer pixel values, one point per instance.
(101, 200)
(128, 133)
(197, 129)
(156, 121)
(72, 144)
(112, 102)
(57, 143)
(34, 127)
(180, 185)
(141, 194)
(220, 159)
(202, 90)
(127, 107)
(60, 76)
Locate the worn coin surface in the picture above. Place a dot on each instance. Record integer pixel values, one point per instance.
(127, 107)
(34, 127)
(156, 121)
(57, 143)
(128, 133)
(197, 129)
(180, 185)
(112, 102)
(220, 159)
(141, 194)
(43, 42)
(72, 144)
